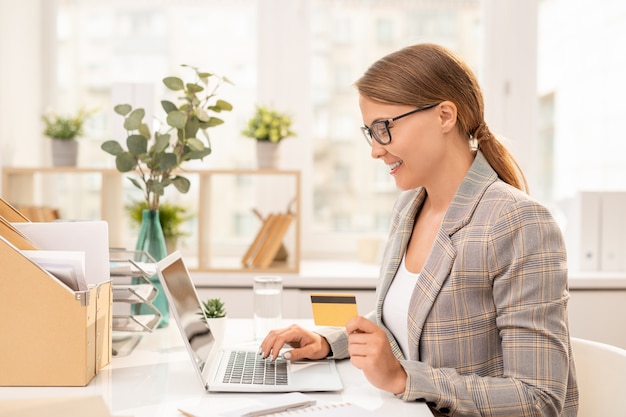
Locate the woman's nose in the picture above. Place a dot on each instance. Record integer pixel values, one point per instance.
(378, 150)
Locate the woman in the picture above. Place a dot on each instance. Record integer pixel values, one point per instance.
(471, 314)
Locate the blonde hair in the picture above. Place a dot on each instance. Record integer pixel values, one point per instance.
(423, 74)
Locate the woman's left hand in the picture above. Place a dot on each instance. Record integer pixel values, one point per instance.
(370, 351)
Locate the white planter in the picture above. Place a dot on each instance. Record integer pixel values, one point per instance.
(64, 152)
(267, 154)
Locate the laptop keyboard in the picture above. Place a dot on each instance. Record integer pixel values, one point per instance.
(250, 368)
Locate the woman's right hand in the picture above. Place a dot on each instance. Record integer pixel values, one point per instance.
(305, 344)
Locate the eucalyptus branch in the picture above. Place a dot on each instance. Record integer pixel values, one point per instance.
(156, 157)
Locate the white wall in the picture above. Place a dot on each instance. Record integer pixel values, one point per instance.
(25, 81)
(509, 81)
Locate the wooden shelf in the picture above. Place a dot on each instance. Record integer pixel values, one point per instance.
(215, 196)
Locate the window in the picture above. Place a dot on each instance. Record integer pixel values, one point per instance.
(103, 47)
(581, 85)
(566, 126)
(384, 32)
(353, 194)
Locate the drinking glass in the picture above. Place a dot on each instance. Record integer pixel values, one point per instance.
(268, 292)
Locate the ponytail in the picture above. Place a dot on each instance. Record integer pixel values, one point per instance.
(500, 158)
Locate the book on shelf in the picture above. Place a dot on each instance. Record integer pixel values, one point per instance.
(267, 242)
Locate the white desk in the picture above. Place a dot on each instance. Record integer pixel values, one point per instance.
(157, 378)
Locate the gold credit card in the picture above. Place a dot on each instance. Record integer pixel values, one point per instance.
(333, 309)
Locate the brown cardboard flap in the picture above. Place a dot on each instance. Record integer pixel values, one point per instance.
(104, 324)
(48, 331)
(10, 213)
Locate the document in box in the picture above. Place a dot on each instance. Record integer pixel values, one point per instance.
(91, 237)
(67, 266)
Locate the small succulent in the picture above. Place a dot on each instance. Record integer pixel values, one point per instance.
(213, 309)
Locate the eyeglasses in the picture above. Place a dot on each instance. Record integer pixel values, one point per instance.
(379, 130)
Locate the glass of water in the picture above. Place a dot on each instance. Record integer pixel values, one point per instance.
(268, 311)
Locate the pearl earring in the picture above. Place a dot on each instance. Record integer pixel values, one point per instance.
(473, 143)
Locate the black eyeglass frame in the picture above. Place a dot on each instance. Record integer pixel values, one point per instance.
(369, 133)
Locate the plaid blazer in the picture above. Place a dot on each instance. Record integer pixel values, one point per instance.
(488, 315)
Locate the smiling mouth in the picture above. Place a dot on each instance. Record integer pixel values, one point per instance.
(394, 165)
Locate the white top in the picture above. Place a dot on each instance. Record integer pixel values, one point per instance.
(396, 306)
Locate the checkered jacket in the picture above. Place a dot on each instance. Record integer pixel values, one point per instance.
(488, 315)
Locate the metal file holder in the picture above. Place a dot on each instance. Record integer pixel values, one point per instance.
(130, 273)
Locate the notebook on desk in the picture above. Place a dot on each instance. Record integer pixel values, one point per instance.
(225, 368)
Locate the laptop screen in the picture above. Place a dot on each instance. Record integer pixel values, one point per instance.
(187, 308)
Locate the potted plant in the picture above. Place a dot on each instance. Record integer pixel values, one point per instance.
(214, 314)
(268, 126)
(156, 158)
(213, 308)
(64, 130)
(171, 217)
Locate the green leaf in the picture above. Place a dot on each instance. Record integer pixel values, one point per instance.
(195, 144)
(199, 154)
(174, 83)
(214, 121)
(223, 105)
(182, 184)
(133, 120)
(113, 147)
(168, 106)
(125, 162)
(144, 130)
(202, 114)
(123, 109)
(161, 142)
(167, 161)
(192, 127)
(157, 187)
(193, 88)
(177, 119)
(137, 144)
(135, 183)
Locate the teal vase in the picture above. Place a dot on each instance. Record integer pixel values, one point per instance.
(152, 241)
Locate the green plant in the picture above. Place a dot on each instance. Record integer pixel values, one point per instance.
(171, 216)
(156, 157)
(64, 127)
(269, 125)
(213, 309)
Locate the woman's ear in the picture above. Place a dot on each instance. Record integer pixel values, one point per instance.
(447, 116)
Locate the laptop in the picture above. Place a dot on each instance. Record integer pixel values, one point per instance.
(225, 368)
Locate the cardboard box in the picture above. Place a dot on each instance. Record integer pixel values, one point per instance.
(51, 334)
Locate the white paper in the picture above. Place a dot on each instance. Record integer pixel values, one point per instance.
(67, 266)
(92, 237)
(252, 404)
